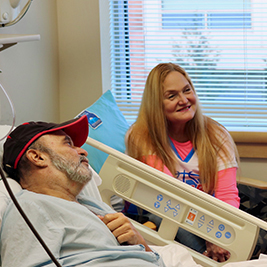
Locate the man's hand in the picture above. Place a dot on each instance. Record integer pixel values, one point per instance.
(216, 253)
(123, 230)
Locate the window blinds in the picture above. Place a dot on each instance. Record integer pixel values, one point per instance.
(222, 44)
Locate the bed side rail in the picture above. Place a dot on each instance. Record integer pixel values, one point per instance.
(179, 205)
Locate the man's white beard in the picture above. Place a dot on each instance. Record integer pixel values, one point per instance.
(77, 172)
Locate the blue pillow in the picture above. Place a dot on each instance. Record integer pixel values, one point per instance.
(106, 125)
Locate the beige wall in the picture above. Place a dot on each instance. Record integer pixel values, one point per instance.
(55, 78)
(30, 69)
(79, 55)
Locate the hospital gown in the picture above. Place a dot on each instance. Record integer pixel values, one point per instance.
(74, 234)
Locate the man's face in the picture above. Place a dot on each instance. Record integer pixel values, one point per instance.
(66, 157)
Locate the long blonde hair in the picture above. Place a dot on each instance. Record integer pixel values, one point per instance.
(149, 134)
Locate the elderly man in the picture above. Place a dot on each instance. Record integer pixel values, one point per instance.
(52, 168)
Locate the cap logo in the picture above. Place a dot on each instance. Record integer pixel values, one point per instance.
(93, 120)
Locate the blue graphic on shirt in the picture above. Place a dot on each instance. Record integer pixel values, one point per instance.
(183, 175)
(190, 178)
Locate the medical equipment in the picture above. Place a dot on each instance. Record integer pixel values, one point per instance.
(179, 205)
(11, 11)
(8, 40)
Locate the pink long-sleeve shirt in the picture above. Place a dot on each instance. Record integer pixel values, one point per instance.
(188, 172)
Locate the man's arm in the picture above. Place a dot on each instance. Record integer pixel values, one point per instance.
(123, 230)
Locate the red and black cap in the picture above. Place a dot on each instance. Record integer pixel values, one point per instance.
(24, 135)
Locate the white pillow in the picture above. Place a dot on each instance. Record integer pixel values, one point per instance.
(15, 187)
(4, 130)
(4, 195)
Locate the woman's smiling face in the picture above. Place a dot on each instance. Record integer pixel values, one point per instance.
(179, 99)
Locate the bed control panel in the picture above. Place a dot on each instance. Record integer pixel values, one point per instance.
(208, 225)
(186, 215)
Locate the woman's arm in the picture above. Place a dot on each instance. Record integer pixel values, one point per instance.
(155, 162)
(226, 189)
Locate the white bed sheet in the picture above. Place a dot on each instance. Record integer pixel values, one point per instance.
(176, 256)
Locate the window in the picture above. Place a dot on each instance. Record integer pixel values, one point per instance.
(212, 20)
(229, 21)
(171, 21)
(222, 44)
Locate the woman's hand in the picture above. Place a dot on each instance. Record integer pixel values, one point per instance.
(123, 230)
(216, 253)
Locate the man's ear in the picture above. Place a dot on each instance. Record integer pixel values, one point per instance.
(37, 158)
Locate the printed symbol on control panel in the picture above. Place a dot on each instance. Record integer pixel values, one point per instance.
(200, 224)
(175, 212)
(202, 218)
(156, 204)
(209, 229)
(176, 207)
(221, 227)
(210, 226)
(191, 216)
(160, 197)
(201, 221)
(228, 235)
(218, 234)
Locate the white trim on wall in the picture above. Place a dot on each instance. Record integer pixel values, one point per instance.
(104, 41)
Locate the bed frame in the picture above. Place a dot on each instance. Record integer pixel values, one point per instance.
(179, 205)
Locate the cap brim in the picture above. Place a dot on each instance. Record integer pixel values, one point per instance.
(77, 129)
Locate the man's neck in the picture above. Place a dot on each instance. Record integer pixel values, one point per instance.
(60, 187)
(64, 194)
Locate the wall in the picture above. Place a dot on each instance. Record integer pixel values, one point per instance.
(50, 79)
(30, 69)
(79, 55)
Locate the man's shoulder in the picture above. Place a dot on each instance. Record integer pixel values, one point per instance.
(35, 203)
(29, 198)
(25, 194)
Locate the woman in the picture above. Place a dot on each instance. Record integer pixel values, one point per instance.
(172, 135)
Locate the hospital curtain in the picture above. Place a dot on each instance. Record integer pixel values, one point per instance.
(222, 44)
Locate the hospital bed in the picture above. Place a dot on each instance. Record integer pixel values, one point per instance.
(179, 205)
